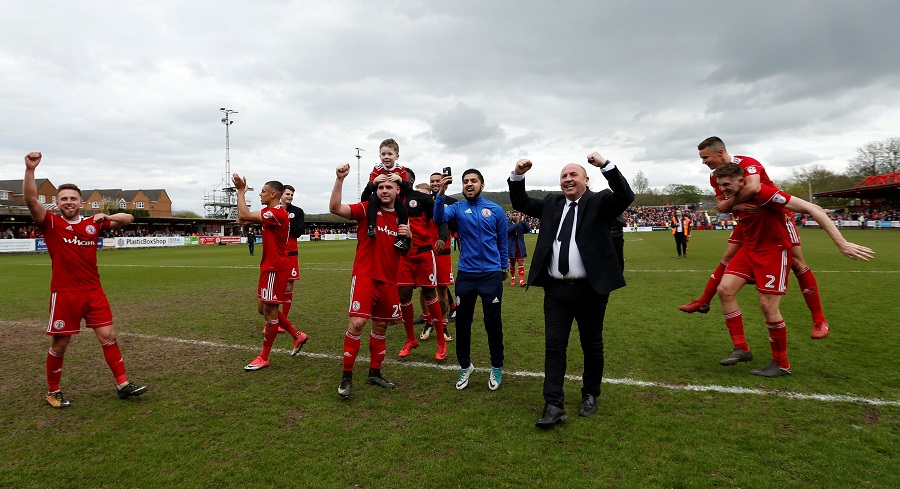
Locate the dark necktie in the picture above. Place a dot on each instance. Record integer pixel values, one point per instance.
(564, 237)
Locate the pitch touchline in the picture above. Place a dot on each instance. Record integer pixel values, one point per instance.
(606, 380)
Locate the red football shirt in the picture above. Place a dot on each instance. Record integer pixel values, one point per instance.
(421, 224)
(73, 252)
(376, 258)
(380, 168)
(275, 229)
(751, 167)
(765, 229)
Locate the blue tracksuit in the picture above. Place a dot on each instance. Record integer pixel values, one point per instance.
(482, 228)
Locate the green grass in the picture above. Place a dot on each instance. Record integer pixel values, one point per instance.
(207, 423)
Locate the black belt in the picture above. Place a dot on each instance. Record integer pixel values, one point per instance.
(571, 281)
(293, 253)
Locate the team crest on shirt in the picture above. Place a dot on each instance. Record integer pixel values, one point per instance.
(90, 229)
(355, 306)
(414, 203)
(751, 170)
(486, 212)
(779, 199)
(59, 324)
(291, 215)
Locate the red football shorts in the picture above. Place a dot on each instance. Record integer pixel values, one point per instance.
(295, 267)
(417, 270)
(68, 308)
(444, 270)
(271, 286)
(768, 269)
(375, 300)
(736, 235)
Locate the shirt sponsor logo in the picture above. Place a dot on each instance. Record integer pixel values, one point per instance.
(384, 229)
(79, 242)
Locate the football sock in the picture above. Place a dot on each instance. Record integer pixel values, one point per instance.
(351, 350)
(713, 283)
(286, 325)
(427, 317)
(54, 370)
(778, 340)
(377, 350)
(521, 273)
(734, 321)
(810, 289)
(288, 300)
(406, 309)
(114, 359)
(269, 339)
(434, 308)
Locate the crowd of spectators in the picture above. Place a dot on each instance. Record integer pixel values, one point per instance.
(640, 216)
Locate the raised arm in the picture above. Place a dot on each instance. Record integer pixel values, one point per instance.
(115, 220)
(517, 194)
(622, 195)
(245, 216)
(334, 204)
(848, 249)
(29, 188)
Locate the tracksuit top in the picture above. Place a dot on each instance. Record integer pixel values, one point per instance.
(482, 228)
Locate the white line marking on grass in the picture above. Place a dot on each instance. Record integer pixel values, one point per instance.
(817, 271)
(606, 380)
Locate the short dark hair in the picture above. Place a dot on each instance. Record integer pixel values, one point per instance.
(411, 174)
(711, 142)
(68, 186)
(277, 186)
(289, 187)
(438, 174)
(728, 170)
(472, 170)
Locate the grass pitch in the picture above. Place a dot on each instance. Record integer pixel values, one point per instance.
(187, 325)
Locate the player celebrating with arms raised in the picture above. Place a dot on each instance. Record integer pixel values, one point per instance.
(75, 290)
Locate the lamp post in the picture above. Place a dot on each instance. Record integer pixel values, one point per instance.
(358, 169)
(230, 195)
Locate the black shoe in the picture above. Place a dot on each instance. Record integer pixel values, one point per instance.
(371, 232)
(379, 381)
(419, 320)
(552, 416)
(346, 386)
(402, 244)
(588, 405)
(737, 356)
(771, 370)
(130, 390)
(452, 317)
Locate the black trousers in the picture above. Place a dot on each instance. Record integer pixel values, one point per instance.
(681, 243)
(563, 303)
(488, 286)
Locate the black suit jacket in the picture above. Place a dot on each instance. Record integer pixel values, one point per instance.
(597, 211)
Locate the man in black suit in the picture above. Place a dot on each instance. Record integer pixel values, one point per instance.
(576, 263)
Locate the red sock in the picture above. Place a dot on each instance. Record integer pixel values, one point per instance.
(713, 283)
(286, 325)
(778, 340)
(54, 370)
(377, 350)
(427, 318)
(269, 339)
(288, 300)
(734, 321)
(434, 307)
(521, 273)
(810, 289)
(114, 359)
(351, 350)
(406, 309)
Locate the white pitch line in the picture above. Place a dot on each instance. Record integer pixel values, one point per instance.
(606, 380)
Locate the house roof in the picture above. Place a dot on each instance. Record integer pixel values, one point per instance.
(874, 187)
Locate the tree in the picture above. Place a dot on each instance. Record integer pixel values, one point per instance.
(875, 158)
(640, 183)
(683, 194)
(817, 179)
(189, 214)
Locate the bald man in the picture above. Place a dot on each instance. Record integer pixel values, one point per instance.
(576, 263)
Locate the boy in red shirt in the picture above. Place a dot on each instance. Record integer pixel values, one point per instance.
(387, 170)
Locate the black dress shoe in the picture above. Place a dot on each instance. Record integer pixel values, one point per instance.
(588, 405)
(552, 415)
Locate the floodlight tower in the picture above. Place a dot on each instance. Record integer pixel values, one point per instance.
(227, 121)
(358, 157)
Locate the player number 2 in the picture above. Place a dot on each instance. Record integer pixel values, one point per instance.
(771, 281)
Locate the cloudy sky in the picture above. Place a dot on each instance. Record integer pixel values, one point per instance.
(127, 94)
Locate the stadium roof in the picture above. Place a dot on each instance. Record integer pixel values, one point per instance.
(886, 186)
